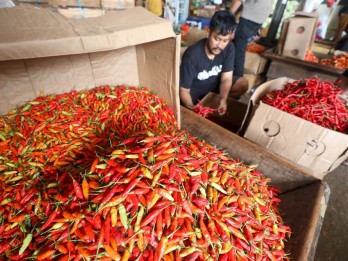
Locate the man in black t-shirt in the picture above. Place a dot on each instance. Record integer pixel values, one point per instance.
(207, 66)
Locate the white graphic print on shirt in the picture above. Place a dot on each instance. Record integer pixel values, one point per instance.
(213, 72)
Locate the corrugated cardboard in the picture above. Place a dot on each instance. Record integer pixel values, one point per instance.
(300, 35)
(194, 35)
(304, 198)
(44, 53)
(254, 63)
(253, 80)
(78, 13)
(114, 4)
(309, 145)
(75, 3)
(233, 118)
(282, 37)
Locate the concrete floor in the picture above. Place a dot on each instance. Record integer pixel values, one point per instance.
(333, 239)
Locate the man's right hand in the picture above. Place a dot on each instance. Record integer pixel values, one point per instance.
(185, 97)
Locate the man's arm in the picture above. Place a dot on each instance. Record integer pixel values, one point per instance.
(225, 87)
(235, 5)
(185, 97)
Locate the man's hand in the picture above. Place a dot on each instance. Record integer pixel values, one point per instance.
(222, 107)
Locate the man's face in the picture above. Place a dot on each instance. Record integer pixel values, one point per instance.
(217, 42)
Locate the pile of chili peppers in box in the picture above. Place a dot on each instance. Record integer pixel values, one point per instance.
(106, 174)
(338, 61)
(313, 100)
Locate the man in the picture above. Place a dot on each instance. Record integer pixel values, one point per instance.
(342, 20)
(254, 14)
(207, 66)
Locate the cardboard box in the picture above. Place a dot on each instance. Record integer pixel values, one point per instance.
(33, 1)
(304, 197)
(75, 3)
(194, 35)
(282, 37)
(232, 120)
(117, 4)
(300, 35)
(206, 12)
(46, 53)
(253, 80)
(78, 13)
(304, 143)
(198, 23)
(113, 4)
(254, 63)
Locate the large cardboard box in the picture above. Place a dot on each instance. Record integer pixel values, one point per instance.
(302, 142)
(254, 63)
(304, 198)
(300, 34)
(253, 80)
(73, 12)
(233, 119)
(43, 52)
(114, 4)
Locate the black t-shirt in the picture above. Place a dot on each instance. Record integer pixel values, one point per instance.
(344, 9)
(202, 75)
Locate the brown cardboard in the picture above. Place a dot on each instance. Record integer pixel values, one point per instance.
(81, 12)
(233, 118)
(194, 35)
(282, 37)
(117, 4)
(300, 35)
(75, 3)
(32, 1)
(114, 4)
(304, 198)
(44, 52)
(309, 145)
(254, 63)
(253, 80)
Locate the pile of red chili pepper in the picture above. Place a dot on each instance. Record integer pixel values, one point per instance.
(105, 174)
(203, 110)
(313, 100)
(255, 48)
(339, 61)
(311, 57)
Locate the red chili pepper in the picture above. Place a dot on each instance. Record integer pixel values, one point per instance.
(150, 217)
(18, 218)
(28, 196)
(130, 186)
(161, 248)
(50, 218)
(78, 189)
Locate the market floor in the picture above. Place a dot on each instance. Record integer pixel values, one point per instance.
(332, 244)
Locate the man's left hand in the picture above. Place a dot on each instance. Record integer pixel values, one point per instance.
(222, 107)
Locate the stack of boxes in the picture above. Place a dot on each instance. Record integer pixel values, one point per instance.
(297, 35)
(254, 67)
(82, 8)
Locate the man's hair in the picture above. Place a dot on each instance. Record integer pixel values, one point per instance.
(223, 22)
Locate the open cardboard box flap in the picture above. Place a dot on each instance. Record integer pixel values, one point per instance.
(43, 53)
(307, 144)
(28, 32)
